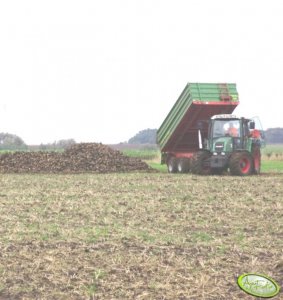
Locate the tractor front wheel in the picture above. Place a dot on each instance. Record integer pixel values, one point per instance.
(241, 164)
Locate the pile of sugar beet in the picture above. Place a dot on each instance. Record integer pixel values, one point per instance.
(79, 158)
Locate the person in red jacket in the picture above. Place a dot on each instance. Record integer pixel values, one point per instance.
(232, 130)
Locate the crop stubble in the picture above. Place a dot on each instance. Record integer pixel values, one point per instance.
(137, 236)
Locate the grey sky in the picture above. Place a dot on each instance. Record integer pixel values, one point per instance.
(103, 70)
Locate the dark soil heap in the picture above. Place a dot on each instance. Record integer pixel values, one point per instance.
(79, 158)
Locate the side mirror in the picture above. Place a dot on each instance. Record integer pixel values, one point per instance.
(252, 125)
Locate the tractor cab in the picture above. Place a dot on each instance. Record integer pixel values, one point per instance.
(228, 133)
(232, 143)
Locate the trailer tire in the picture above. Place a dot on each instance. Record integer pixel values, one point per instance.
(241, 164)
(172, 165)
(197, 163)
(183, 165)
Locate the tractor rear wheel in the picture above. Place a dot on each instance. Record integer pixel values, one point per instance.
(241, 164)
(183, 165)
(198, 165)
(172, 165)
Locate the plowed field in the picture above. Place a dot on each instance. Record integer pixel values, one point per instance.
(137, 235)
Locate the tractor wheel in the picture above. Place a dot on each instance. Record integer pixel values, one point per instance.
(172, 165)
(198, 163)
(241, 164)
(257, 160)
(183, 165)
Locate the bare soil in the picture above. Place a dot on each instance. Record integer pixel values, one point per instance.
(137, 235)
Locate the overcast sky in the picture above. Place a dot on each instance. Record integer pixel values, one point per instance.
(100, 71)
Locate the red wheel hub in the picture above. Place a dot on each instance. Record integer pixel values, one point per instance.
(245, 165)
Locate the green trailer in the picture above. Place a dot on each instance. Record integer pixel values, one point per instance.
(187, 128)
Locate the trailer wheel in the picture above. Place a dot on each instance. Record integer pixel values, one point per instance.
(198, 165)
(183, 165)
(172, 165)
(241, 164)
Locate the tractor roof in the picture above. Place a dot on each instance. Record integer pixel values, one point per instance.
(225, 117)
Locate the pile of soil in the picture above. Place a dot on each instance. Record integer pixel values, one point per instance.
(79, 158)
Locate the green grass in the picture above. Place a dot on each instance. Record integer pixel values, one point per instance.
(145, 154)
(272, 166)
(158, 166)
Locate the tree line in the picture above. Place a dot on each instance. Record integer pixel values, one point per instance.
(274, 136)
(148, 136)
(10, 141)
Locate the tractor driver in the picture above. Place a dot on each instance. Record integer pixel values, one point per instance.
(232, 130)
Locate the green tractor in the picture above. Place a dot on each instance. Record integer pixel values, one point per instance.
(230, 143)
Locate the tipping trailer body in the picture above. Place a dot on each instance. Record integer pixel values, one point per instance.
(178, 135)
